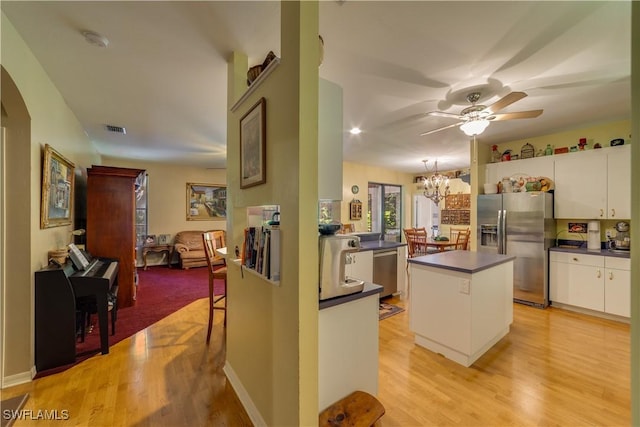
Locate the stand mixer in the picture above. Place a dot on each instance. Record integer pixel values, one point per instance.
(622, 240)
(335, 255)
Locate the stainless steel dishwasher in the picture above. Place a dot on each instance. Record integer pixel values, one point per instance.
(385, 270)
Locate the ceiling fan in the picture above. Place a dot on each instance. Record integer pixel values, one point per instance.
(475, 119)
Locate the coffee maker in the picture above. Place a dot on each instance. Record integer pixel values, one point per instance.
(593, 234)
(335, 254)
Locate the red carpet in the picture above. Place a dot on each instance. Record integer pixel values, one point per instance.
(161, 291)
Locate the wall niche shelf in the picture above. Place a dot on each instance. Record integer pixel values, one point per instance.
(253, 272)
(257, 82)
(261, 244)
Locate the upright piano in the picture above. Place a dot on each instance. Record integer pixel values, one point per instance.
(56, 290)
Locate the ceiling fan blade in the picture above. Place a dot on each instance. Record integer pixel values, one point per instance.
(504, 102)
(442, 128)
(516, 115)
(443, 114)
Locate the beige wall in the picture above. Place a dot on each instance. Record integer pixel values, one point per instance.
(635, 217)
(360, 175)
(272, 332)
(52, 122)
(601, 133)
(167, 197)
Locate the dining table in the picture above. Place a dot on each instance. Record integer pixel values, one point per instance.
(440, 245)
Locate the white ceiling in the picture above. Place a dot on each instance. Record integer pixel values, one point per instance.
(163, 75)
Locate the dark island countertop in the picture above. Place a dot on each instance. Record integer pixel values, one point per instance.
(584, 251)
(374, 245)
(369, 289)
(462, 261)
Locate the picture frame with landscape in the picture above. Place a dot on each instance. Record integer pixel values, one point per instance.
(253, 130)
(58, 178)
(206, 202)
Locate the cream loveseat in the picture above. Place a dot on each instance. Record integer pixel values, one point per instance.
(190, 249)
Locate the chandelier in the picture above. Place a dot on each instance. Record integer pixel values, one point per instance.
(436, 187)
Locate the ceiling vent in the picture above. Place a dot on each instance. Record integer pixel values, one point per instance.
(116, 129)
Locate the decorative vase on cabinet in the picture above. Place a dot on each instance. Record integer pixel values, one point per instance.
(111, 207)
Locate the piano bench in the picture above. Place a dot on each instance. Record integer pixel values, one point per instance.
(86, 306)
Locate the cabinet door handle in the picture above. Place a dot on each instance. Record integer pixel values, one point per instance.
(613, 212)
(601, 213)
(611, 275)
(599, 274)
(575, 259)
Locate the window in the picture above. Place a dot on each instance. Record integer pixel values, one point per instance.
(384, 213)
(142, 223)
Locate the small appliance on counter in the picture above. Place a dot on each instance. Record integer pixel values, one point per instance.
(622, 241)
(335, 253)
(593, 236)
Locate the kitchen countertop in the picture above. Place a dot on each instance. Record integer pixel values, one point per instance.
(369, 289)
(584, 251)
(379, 244)
(464, 261)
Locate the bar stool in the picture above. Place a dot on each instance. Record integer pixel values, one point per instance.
(210, 240)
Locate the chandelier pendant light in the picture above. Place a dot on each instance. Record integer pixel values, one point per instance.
(436, 186)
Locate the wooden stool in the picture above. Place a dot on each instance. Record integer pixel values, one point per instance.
(359, 409)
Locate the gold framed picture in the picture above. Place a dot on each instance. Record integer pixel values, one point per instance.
(206, 202)
(58, 176)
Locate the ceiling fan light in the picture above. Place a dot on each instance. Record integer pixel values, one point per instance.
(474, 127)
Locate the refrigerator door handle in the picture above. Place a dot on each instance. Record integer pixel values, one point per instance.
(499, 230)
(503, 232)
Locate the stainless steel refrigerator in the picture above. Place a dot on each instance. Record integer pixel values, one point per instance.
(520, 224)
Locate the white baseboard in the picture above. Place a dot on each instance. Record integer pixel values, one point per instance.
(243, 395)
(21, 378)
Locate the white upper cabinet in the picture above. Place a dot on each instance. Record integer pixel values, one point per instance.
(593, 184)
(619, 183)
(581, 185)
(536, 166)
(329, 141)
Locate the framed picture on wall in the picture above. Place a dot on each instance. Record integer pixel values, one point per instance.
(253, 130)
(58, 176)
(206, 202)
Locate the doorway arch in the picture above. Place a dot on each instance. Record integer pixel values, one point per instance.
(16, 317)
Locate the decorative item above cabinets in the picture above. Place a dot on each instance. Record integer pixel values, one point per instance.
(355, 210)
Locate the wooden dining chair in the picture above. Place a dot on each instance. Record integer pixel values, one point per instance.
(347, 228)
(462, 239)
(212, 240)
(416, 241)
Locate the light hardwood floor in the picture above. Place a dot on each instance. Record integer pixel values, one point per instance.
(555, 368)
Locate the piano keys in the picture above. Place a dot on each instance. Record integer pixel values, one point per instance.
(56, 290)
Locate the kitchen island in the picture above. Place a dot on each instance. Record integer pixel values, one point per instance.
(461, 302)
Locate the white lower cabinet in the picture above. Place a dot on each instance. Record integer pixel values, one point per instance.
(617, 286)
(593, 282)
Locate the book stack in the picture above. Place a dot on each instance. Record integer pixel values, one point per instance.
(261, 251)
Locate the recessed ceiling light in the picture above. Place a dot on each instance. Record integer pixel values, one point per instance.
(355, 131)
(95, 39)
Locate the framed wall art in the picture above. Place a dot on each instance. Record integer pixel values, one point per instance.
(206, 202)
(253, 130)
(58, 176)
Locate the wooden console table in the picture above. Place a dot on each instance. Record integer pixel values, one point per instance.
(157, 249)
